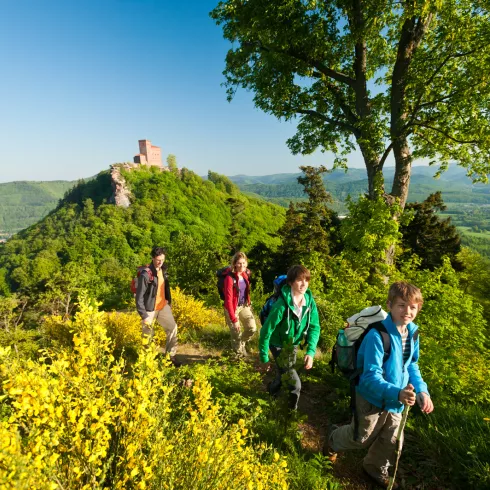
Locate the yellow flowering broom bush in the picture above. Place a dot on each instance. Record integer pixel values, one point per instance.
(191, 313)
(124, 328)
(76, 419)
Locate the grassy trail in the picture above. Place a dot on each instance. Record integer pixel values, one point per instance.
(324, 398)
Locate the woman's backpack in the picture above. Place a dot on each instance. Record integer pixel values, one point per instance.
(221, 274)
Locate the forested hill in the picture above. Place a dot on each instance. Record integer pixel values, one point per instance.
(24, 203)
(86, 238)
(455, 186)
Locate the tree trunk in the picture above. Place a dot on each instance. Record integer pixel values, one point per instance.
(374, 173)
(403, 167)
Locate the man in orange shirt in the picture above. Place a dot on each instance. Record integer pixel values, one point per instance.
(153, 301)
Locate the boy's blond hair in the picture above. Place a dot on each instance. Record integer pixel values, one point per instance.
(405, 291)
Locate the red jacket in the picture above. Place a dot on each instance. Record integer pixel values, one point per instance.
(230, 290)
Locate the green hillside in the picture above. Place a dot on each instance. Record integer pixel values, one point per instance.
(86, 237)
(25, 203)
(86, 251)
(468, 204)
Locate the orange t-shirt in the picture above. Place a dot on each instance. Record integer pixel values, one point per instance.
(160, 300)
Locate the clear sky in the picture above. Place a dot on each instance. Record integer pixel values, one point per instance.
(83, 81)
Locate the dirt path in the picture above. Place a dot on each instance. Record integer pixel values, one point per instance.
(315, 396)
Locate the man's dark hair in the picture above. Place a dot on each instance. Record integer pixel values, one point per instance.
(156, 251)
(298, 272)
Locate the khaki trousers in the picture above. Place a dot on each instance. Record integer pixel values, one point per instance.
(247, 323)
(377, 430)
(166, 320)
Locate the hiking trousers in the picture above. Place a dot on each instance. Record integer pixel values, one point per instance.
(166, 320)
(246, 318)
(377, 429)
(285, 363)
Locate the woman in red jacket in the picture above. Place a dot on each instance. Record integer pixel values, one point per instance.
(238, 313)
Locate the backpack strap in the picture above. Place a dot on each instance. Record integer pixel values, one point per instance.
(149, 272)
(146, 268)
(385, 337)
(234, 281)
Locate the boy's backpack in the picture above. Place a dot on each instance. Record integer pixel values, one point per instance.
(278, 284)
(221, 274)
(134, 282)
(349, 339)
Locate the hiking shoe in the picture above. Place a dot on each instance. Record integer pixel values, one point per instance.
(272, 389)
(381, 480)
(174, 362)
(327, 449)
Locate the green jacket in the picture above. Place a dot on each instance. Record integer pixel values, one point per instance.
(283, 325)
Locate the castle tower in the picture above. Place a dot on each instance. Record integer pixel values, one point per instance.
(149, 154)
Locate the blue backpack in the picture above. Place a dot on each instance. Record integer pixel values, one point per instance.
(278, 284)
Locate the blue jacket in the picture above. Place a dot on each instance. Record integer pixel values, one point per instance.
(381, 383)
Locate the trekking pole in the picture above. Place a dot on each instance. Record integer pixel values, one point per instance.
(398, 449)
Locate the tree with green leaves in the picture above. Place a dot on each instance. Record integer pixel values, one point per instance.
(406, 77)
(172, 163)
(429, 236)
(310, 226)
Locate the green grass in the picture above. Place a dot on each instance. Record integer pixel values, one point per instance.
(462, 461)
(466, 230)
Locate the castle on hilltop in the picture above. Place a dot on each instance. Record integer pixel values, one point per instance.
(149, 154)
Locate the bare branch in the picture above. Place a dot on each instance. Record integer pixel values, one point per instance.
(325, 70)
(437, 130)
(19, 318)
(335, 122)
(438, 101)
(418, 105)
(385, 155)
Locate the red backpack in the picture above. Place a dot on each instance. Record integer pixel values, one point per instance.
(221, 274)
(134, 282)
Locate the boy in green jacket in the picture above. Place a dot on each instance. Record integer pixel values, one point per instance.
(293, 316)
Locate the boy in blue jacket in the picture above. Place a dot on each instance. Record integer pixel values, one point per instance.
(385, 387)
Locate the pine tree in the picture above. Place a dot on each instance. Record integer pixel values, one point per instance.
(310, 226)
(429, 236)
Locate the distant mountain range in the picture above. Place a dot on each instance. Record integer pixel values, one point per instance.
(456, 187)
(25, 203)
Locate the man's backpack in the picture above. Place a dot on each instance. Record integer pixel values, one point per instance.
(278, 284)
(134, 281)
(221, 275)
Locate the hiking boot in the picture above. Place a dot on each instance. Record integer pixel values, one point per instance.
(273, 389)
(243, 351)
(381, 480)
(174, 362)
(327, 449)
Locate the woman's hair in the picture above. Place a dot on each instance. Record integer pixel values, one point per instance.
(298, 272)
(406, 292)
(237, 257)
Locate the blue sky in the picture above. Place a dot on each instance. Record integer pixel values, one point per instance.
(82, 82)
